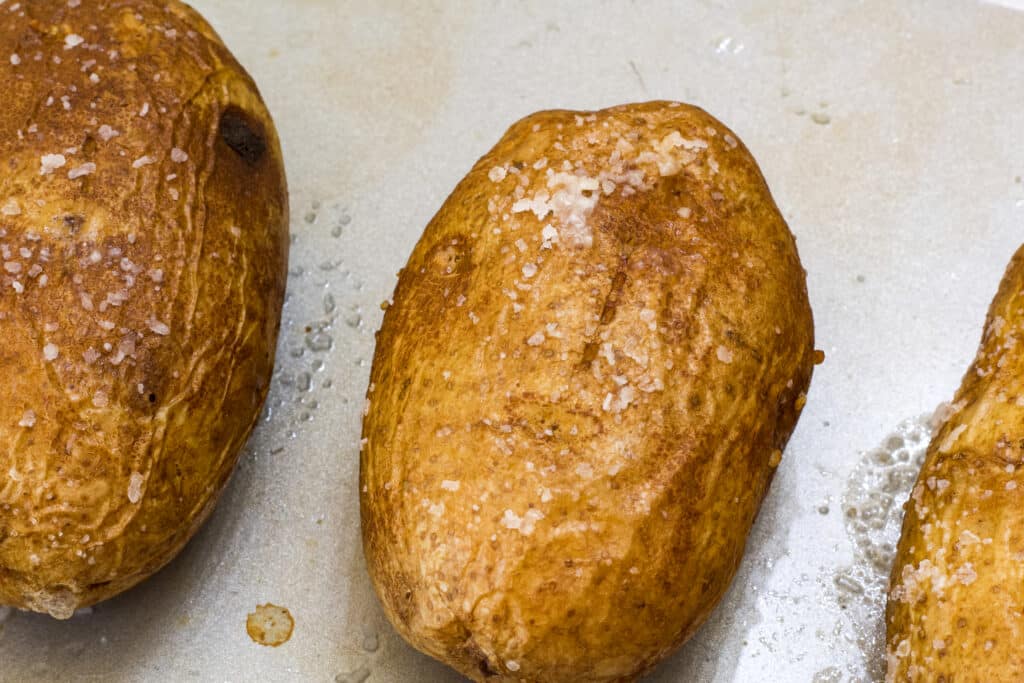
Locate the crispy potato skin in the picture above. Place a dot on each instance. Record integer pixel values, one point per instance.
(592, 362)
(140, 297)
(956, 601)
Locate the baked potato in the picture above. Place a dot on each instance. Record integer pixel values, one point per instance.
(143, 236)
(581, 389)
(956, 593)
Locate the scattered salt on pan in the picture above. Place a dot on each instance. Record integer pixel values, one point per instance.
(135, 488)
(179, 156)
(49, 162)
(50, 352)
(83, 170)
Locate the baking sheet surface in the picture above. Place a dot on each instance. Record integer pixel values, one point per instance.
(892, 136)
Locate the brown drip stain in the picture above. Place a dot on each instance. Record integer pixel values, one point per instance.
(270, 625)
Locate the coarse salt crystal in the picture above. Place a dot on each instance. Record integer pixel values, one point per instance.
(106, 133)
(28, 419)
(536, 339)
(15, 60)
(10, 208)
(159, 328)
(72, 40)
(135, 488)
(83, 170)
(143, 161)
(50, 352)
(529, 270)
(449, 485)
(724, 354)
(497, 174)
(179, 156)
(49, 162)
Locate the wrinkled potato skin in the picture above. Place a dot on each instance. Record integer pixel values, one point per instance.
(632, 515)
(957, 588)
(163, 411)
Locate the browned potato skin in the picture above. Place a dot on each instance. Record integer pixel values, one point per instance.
(171, 406)
(632, 518)
(956, 602)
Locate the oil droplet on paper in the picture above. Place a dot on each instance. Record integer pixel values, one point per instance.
(270, 625)
(357, 676)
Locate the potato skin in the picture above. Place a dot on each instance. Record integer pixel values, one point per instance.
(592, 362)
(140, 297)
(956, 593)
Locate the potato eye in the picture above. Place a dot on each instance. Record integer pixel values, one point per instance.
(241, 134)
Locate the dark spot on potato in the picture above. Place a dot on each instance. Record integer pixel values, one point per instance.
(589, 353)
(486, 670)
(152, 398)
(89, 147)
(243, 135)
(73, 223)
